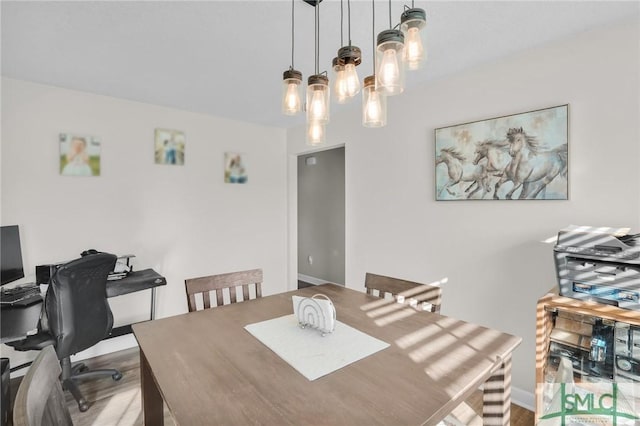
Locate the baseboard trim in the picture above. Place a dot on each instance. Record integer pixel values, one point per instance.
(314, 280)
(523, 398)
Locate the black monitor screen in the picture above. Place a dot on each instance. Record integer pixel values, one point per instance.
(10, 255)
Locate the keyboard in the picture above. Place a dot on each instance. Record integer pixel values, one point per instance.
(20, 296)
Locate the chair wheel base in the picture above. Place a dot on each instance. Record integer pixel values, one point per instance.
(83, 405)
(117, 376)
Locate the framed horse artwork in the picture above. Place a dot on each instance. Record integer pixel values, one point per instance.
(521, 156)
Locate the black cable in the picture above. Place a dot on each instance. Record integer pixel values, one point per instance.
(293, 20)
(373, 35)
(317, 34)
(349, 14)
(390, 24)
(341, 24)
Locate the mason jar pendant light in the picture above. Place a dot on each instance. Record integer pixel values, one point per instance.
(291, 97)
(411, 22)
(374, 103)
(349, 57)
(317, 94)
(291, 80)
(339, 83)
(390, 60)
(318, 99)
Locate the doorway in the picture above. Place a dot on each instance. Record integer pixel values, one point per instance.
(321, 217)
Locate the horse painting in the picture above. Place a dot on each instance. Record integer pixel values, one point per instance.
(496, 159)
(461, 171)
(531, 168)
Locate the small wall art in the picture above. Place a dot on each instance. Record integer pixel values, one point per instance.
(169, 147)
(521, 156)
(235, 170)
(79, 155)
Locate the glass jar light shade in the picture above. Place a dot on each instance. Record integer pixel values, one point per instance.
(339, 83)
(291, 92)
(390, 63)
(350, 57)
(315, 133)
(352, 82)
(374, 105)
(412, 22)
(318, 99)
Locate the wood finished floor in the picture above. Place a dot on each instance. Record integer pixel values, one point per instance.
(118, 403)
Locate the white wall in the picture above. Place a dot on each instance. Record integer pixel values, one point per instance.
(491, 252)
(183, 221)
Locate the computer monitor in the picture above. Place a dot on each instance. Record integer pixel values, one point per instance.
(10, 255)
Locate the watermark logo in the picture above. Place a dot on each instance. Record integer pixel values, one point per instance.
(599, 404)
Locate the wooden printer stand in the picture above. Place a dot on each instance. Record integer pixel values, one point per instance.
(568, 322)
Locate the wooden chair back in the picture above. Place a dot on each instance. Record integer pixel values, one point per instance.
(40, 400)
(422, 293)
(231, 282)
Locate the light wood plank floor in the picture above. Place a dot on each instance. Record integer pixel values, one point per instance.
(118, 403)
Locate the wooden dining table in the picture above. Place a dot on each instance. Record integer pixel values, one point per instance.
(210, 371)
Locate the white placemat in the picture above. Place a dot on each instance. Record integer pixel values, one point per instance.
(312, 354)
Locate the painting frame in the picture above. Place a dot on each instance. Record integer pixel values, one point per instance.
(235, 168)
(79, 154)
(521, 156)
(169, 147)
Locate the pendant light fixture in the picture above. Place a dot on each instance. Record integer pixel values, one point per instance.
(291, 80)
(374, 103)
(390, 60)
(349, 57)
(411, 22)
(339, 83)
(317, 93)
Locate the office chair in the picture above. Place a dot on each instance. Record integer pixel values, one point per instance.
(409, 290)
(218, 283)
(40, 400)
(76, 316)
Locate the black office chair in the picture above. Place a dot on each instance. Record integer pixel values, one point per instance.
(76, 316)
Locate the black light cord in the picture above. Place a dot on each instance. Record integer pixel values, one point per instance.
(317, 34)
(349, 14)
(293, 20)
(373, 35)
(341, 24)
(390, 24)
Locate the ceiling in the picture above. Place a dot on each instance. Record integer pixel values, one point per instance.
(226, 58)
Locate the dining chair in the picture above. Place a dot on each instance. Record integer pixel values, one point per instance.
(40, 400)
(231, 282)
(404, 290)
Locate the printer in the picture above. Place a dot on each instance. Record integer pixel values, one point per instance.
(599, 264)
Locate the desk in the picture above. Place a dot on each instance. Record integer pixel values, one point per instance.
(209, 370)
(18, 320)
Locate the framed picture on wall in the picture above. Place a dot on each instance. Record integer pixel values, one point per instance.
(169, 147)
(521, 156)
(79, 155)
(235, 168)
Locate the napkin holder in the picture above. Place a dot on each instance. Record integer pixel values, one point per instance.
(315, 312)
